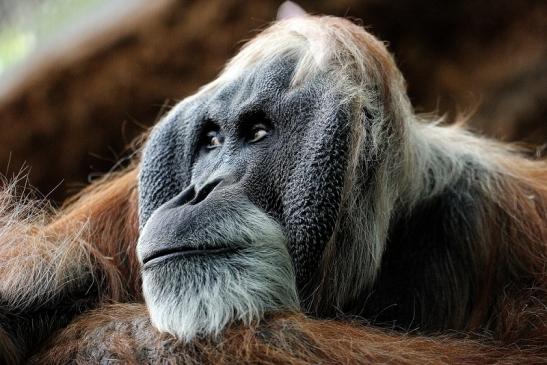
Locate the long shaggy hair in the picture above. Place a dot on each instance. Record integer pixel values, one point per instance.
(487, 275)
(402, 165)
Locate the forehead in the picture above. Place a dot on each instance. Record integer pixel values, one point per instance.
(256, 87)
(264, 86)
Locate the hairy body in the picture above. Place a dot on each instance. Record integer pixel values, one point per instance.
(375, 213)
(283, 338)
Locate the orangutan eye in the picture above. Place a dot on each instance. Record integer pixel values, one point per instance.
(213, 139)
(258, 132)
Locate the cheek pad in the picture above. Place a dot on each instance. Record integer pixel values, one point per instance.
(312, 198)
(163, 173)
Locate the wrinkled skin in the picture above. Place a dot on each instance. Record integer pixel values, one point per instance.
(294, 173)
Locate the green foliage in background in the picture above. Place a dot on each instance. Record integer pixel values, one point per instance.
(14, 46)
(35, 24)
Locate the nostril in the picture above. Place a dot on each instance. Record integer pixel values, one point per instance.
(182, 198)
(205, 191)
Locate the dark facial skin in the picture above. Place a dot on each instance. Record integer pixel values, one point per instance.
(282, 148)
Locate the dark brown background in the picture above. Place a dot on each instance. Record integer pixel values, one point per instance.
(69, 115)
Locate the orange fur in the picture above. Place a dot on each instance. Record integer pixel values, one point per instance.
(87, 254)
(520, 324)
(124, 333)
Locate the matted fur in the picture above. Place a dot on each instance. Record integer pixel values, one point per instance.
(284, 339)
(413, 161)
(54, 265)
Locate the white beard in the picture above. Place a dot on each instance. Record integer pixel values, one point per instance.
(199, 295)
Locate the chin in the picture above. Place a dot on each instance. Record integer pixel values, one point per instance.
(197, 294)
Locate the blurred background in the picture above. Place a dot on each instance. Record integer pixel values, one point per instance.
(80, 79)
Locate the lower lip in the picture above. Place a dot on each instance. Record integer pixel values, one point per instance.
(187, 253)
